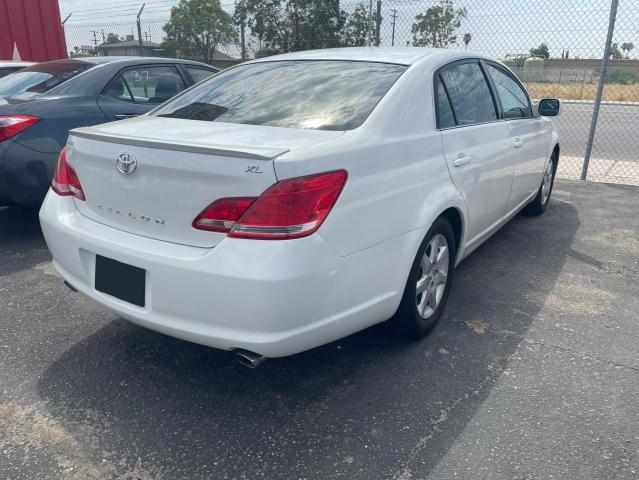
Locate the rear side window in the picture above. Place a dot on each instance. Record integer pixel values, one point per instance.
(514, 100)
(199, 74)
(469, 94)
(445, 117)
(30, 82)
(146, 85)
(322, 95)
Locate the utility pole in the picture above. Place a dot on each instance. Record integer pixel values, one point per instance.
(243, 28)
(378, 22)
(95, 38)
(370, 24)
(103, 37)
(600, 86)
(140, 31)
(394, 19)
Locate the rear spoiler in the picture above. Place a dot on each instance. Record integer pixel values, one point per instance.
(254, 153)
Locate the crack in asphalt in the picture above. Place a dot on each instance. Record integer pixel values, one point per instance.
(404, 472)
(496, 370)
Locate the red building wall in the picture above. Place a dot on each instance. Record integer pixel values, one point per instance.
(34, 28)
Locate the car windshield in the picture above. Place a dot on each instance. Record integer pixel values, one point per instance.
(32, 81)
(322, 95)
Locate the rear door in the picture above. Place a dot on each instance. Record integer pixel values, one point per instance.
(527, 134)
(136, 90)
(475, 143)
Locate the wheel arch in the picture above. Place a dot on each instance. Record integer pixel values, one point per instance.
(456, 220)
(555, 154)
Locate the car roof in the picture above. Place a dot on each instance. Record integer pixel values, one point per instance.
(122, 59)
(12, 63)
(398, 55)
(126, 60)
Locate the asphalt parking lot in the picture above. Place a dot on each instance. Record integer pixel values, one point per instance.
(532, 374)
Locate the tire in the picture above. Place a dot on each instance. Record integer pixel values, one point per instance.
(416, 317)
(541, 200)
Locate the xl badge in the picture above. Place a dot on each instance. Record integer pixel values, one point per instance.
(126, 163)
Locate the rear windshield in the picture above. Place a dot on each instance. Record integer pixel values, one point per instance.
(38, 79)
(321, 95)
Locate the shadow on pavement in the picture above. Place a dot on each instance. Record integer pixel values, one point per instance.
(364, 407)
(21, 243)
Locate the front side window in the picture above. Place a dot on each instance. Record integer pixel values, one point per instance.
(146, 85)
(30, 82)
(469, 94)
(514, 100)
(322, 95)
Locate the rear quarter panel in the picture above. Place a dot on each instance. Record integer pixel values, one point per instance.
(398, 178)
(58, 116)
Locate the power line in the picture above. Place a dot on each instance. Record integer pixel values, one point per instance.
(121, 5)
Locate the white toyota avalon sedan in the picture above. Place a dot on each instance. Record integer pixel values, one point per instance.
(294, 200)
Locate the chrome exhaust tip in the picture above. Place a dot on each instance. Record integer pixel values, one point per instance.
(249, 359)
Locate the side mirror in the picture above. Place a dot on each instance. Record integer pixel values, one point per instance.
(549, 107)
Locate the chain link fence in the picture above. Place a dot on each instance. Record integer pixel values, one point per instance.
(555, 47)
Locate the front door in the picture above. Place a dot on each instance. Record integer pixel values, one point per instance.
(527, 134)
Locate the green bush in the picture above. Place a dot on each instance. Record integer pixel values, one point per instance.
(622, 76)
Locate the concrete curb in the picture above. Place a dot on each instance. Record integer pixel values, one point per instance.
(611, 103)
(600, 170)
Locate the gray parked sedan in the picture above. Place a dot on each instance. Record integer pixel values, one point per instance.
(40, 104)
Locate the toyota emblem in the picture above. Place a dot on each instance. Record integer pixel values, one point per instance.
(126, 163)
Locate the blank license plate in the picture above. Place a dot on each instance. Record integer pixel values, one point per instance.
(120, 280)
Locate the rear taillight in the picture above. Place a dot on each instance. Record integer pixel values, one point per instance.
(223, 214)
(11, 125)
(291, 208)
(65, 180)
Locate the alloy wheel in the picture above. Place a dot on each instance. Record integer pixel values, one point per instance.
(433, 275)
(547, 182)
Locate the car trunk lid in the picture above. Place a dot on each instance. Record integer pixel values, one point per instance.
(181, 167)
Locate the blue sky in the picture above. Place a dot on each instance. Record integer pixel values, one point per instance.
(498, 27)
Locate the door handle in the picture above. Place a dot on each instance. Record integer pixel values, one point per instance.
(461, 160)
(518, 143)
(124, 116)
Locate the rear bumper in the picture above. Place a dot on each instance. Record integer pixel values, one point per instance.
(275, 298)
(25, 174)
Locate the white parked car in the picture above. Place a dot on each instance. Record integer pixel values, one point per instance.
(291, 201)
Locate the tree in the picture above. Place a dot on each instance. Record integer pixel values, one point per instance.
(291, 25)
(467, 38)
(112, 38)
(540, 51)
(615, 53)
(627, 47)
(197, 27)
(359, 26)
(436, 28)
